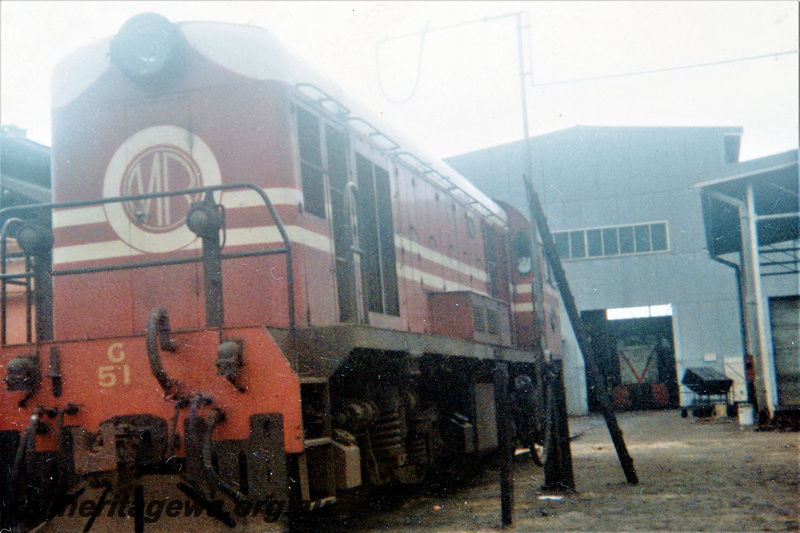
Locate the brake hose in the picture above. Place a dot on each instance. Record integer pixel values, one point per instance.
(217, 416)
(157, 335)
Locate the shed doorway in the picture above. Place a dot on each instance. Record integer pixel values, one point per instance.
(635, 351)
(785, 321)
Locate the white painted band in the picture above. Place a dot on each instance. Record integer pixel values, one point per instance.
(432, 280)
(439, 258)
(79, 216)
(261, 235)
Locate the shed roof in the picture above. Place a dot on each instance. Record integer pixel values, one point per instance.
(775, 180)
(24, 169)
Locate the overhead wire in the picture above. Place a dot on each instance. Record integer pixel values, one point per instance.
(667, 69)
(419, 69)
(427, 30)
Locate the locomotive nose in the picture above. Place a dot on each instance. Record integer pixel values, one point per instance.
(147, 47)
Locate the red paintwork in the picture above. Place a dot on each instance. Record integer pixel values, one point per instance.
(533, 322)
(271, 383)
(451, 315)
(248, 126)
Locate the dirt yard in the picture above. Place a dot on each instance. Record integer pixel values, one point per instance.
(695, 475)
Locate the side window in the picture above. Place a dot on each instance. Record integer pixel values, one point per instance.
(523, 253)
(311, 172)
(376, 234)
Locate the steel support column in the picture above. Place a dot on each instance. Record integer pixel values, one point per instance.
(758, 342)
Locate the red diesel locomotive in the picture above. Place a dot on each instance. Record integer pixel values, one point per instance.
(245, 279)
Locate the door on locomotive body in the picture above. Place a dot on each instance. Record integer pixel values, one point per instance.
(161, 167)
(496, 261)
(142, 145)
(324, 152)
(376, 238)
(527, 281)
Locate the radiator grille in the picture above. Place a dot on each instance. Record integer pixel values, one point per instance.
(492, 321)
(478, 319)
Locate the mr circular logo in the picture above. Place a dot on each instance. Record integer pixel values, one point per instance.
(159, 169)
(156, 160)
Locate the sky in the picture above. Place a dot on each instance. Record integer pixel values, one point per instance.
(446, 74)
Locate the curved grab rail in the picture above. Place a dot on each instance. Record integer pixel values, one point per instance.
(13, 277)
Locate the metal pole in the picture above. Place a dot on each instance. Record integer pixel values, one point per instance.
(524, 97)
(522, 74)
(540, 223)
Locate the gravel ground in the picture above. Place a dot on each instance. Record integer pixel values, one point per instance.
(695, 475)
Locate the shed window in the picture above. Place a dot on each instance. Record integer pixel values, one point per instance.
(658, 236)
(599, 242)
(626, 240)
(561, 240)
(594, 242)
(577, 246)
(610, 241)
(642, 238)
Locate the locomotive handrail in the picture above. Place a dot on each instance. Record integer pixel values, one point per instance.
(287, 248)
(427, 169)
(352, 199)
(6, 278)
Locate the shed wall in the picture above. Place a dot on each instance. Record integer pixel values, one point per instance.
(593, 177)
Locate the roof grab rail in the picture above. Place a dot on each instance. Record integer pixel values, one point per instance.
(428, 170)
(448, 185)
(374, 132)
(425, 167)
(323, 99)
(445, 181)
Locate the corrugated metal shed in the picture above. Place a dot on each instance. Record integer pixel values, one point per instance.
(751, 213)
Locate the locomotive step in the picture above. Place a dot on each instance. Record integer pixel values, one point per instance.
(313, 443)
(313, 381)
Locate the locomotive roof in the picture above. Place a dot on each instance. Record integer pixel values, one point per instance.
(255, 53)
